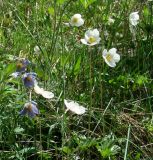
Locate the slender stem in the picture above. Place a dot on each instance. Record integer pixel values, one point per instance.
(102, 115)
(90, 81)
(40, 137)
(127, 142)
(30, 96)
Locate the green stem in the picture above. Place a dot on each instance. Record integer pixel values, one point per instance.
(127, 142)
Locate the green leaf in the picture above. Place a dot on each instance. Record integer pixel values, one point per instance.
(87, 3)
(51, 11)
(27, 150)
(146, 11)
(77, 66)
(66, 150)
(141, 80)
(9, 69)
(60, 2)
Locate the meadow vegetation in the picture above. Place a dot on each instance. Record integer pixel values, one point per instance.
(76, 87)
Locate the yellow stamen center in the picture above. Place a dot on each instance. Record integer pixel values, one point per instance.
(19, 65)
(75, 20)
(109, 57)
(91, 39)
(29, 107)
(28, 78)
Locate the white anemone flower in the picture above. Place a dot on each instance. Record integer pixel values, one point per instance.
(74, 107)
(76, 20)
(134, 18)
(41, 91)
(91, 37)
(36, 50)
(111, 57)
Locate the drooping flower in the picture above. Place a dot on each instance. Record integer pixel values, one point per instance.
(111, 57)
(74, 107)
(41, 91)
(30, 108)
(76, 20)
(134, 18)
(36, 50)
(91, 37)
(29, 79)
(21, 66)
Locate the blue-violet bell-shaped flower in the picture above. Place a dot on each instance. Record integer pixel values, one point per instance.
(29, 79)
(21, 66)
(30, 108)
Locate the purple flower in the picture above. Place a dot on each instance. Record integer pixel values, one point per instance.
(31, 109)
(15, 74)
(29, 79)
(21, 65)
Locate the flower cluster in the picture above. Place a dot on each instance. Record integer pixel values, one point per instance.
(21, 67)
(91, 38)
(30, 82)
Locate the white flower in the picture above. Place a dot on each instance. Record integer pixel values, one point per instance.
(36, 50)
(111, 57)
(74, 107)
(91, 37)
(47, 94)
(110, 21)
(76, 20)
(134, 18)
(41, 91)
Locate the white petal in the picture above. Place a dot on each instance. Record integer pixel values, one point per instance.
(76, 16)
(92, 44)
(104, 53)
(47, 94)
(110, 63)
(134, 15)
(88, 33)
(84, 41)
(15, 74)
(112, 51)
(67, 24)
(41, 91)
(116, 57)
(74, 107)
(133, 22)
(98, 40)
(86, 36)
(80, 22)
(38, 90)
(133, 18)
(96, 33)
(36, 49)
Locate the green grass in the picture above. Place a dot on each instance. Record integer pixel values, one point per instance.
(118, 123)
